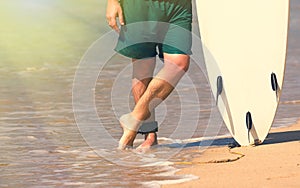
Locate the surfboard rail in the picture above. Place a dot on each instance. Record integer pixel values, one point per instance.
(244, 44)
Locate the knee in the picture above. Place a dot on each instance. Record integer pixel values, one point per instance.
(185, 62)
(182, 61)
(142, 75)
(184, 65)
(143, 68)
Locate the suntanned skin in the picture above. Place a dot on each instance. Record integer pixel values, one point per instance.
(113, 11)
(148, 92)
(141, 77)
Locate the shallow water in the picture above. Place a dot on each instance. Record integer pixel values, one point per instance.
(42, 146)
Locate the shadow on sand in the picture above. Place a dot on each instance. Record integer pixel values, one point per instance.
(281, 137)
(272, 138)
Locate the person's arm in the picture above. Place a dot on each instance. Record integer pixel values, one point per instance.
(113, 11)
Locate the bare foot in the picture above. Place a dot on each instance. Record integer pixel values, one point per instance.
(127, 138)
(150, 140)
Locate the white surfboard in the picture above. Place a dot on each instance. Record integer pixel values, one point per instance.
(244, 44)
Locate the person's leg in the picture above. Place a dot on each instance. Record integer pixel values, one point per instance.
(142, 75)
(162, 84)
(159, 88)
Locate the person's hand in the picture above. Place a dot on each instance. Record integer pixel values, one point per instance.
(113, 11)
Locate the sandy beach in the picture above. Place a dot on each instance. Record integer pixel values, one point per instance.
(275, 163)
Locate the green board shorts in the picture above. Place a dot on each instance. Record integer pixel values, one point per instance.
(155, 24)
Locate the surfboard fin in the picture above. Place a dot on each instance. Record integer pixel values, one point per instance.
(249, 124)
(219, 87)
(274, 84)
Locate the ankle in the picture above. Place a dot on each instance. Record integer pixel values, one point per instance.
(151, 136)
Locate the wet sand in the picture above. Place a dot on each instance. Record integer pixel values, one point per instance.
(276, 163)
